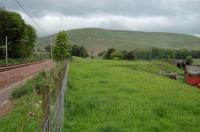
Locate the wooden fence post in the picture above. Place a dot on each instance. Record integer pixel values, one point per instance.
(60, 77)
(57, 82)
(46, 107)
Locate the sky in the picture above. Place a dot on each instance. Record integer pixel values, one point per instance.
(177, 16)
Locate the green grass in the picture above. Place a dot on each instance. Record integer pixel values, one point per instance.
(127, 96)
(196, 61)
(100, 39)
(17, 120)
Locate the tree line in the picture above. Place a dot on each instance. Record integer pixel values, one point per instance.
(153, 53)
(21, 36)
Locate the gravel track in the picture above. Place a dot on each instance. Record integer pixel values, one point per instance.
(11, 78)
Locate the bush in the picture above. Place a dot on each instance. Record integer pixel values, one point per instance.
(189, 60)
(79, 51)
(108, 53)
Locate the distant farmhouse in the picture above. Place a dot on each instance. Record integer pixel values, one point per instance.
(192, 74)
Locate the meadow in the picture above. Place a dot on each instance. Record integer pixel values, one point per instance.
(126, 96)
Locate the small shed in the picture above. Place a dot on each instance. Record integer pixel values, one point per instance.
(192, 74)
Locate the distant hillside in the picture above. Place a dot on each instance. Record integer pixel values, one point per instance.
(100, 39)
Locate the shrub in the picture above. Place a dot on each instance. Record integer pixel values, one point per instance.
(79, 51)
(108, 53)
(20, 91)
(189, 60)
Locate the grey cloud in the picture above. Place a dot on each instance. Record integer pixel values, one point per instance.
(122, 7)
(179, 15)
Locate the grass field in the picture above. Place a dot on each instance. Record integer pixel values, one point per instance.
(125, 96)
(100, 39)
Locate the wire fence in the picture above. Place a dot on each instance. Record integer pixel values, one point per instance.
(53, 118)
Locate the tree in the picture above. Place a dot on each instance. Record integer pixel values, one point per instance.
(62, 48)
(130, 55)
(31, 37)
(48, 48)
(21, 37)
(189, 60)
(79, 51)
(115, 55)
(108, 53)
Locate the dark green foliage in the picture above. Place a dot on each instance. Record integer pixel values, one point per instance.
(48, 48)
(62, 48)
(114, 54)
(108, 53)
(130, 55)
(189, 60)
(154, 53)
(79, 51)
(31, 38)
(21, 37)
(101, 54)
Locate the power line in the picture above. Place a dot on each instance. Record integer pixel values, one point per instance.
(26, 12)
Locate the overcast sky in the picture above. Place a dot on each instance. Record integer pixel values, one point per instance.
(180, 16)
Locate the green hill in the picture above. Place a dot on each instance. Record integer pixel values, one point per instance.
(101, 39)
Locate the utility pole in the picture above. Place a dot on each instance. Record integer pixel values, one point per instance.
(91, 53)
(6, 50)
(51, 47)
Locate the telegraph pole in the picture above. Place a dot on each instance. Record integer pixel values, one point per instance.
(91, 54)
(6, 50)
(51, 47)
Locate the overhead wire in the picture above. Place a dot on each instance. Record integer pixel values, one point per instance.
(27, 13)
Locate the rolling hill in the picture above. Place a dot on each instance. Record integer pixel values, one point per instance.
(101, 39)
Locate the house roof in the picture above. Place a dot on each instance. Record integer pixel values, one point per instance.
(193, 70)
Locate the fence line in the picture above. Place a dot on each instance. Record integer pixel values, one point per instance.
(53, 122)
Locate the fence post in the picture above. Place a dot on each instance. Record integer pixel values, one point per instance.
(60, 78)
(6, 50)
(57, 82)
(46, 107)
